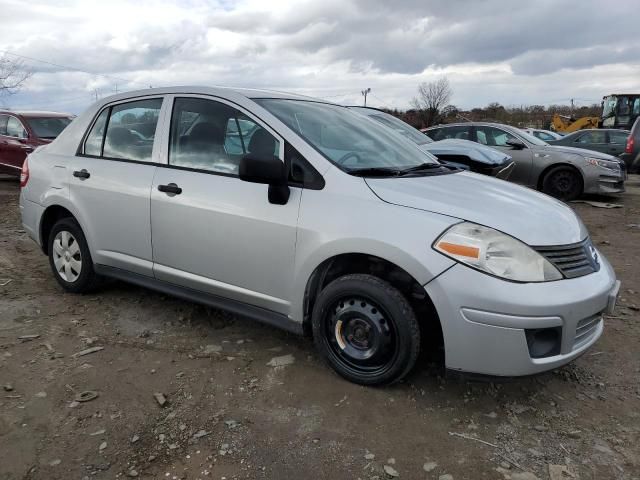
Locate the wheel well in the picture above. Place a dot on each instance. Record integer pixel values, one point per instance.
(555, 165)
(349, 263)
(51, 215)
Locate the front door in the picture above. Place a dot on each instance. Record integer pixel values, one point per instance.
(110, 184)
(592, 140)
(213, 232)
(522, 158)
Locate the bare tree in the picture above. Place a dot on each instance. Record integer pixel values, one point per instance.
(13, 74)
(432, 98)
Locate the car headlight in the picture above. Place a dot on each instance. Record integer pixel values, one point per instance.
(597, 162)
(495, 253)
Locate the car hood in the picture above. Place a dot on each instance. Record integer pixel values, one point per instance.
(530, 216)
(473, 150)
(577, 151)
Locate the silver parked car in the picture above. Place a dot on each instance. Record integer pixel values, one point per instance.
(563, 172)
(289, 210)
(461, 153)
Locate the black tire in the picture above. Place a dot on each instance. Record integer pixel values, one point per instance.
(87, 280)
(563, 182)
(366, 330)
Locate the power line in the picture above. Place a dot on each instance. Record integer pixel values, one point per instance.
(385, 104)
(67, 67)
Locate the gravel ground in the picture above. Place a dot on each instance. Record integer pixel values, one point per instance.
(229, 413)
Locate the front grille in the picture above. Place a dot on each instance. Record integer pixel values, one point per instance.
(573, 260)
(585, 330)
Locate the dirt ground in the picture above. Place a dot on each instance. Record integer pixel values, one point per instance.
(229, 414)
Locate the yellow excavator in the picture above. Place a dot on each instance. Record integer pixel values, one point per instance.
(619, 110)
(565, 124)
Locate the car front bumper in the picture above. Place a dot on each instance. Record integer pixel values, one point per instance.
(485, 320)
(606, 181)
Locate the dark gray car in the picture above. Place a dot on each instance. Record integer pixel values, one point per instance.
(560, 171)
(605, 140)
(469, 155)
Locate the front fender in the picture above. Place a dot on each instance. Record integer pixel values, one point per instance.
(400, 235)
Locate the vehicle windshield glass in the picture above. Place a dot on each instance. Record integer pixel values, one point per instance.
(48, 127)
(344, 138)
(532, 139)
(398, 125)
(609, 106)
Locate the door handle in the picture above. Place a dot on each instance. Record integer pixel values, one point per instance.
(171, 188)
(82, 174)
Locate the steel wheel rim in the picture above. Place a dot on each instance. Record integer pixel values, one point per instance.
(564, 182)
(67, 257)
(360, 336)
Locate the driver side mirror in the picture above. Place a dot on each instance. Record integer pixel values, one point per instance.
(269, 171)
(516, 144)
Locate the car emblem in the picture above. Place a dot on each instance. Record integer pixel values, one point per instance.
(594, 255)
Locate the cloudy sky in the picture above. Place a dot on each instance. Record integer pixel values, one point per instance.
(542, 51)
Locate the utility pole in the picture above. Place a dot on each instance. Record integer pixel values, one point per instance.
(364, 93)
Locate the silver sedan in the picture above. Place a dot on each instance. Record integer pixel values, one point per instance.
(563, 172)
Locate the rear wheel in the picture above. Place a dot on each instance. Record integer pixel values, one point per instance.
(563, 182)
(366, 330)
(70, 258)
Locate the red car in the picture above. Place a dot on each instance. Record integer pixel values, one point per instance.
(22, 132)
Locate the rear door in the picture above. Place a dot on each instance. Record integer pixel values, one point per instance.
(617, 141)
(213, 232)
(110, 183)
(13, 143)
(497, 138)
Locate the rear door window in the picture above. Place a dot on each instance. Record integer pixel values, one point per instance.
(459, 131)
(125, 131)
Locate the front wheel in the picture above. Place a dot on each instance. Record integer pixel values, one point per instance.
(366, 330)
(563, 182)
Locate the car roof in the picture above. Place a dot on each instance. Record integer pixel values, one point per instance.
(486, 124)
(582, 130)
(251, 93)
(34, 113)
(372, 110)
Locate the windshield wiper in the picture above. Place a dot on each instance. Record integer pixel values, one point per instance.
(375, 172)
(422, 166)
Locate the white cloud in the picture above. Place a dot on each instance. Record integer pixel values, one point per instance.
(536, 52)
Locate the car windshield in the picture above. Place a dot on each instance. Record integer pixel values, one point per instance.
(48, 127)
(398, 125)
(532, 139)
(342, 136)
